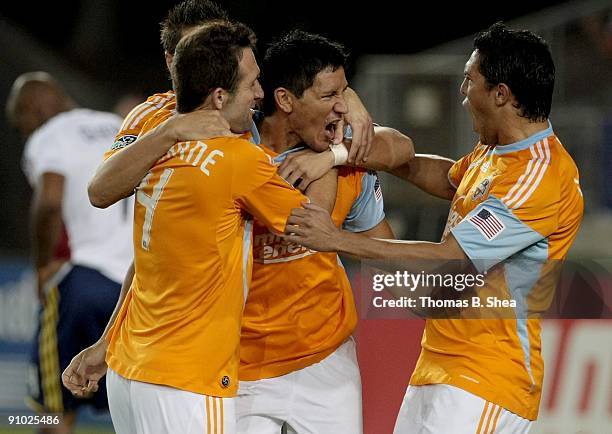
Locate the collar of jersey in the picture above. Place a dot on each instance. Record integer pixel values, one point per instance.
(525, 143)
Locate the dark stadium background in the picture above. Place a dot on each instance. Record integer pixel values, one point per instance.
(118, 39)
(115, 46)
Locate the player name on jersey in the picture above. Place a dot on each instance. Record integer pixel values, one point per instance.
(194, 152)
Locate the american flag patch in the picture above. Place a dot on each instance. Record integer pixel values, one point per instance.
(377, 189)
(487, 223)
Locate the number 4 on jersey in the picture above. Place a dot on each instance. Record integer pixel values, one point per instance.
(150, 202)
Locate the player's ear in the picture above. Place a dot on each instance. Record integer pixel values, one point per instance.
(219, 97)
(169, 58)
(503, 94)
(283, 100)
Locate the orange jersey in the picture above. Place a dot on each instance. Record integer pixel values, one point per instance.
(180, 324)
(137, 118)
(516, 211)
(300, 306)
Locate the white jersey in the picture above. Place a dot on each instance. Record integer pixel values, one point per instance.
(72, 144)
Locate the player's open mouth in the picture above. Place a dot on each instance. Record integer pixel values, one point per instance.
(330, 129)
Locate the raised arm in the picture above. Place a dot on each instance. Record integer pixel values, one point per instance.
(118, 176)
(429, 173)
(323, 191)
(390, 149)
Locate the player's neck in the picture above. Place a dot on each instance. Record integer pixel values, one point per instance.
(276, 134)
(519, 129)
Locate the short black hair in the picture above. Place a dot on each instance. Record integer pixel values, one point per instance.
(522, 60)
(188, 13)
(294, 60)
(206, 59)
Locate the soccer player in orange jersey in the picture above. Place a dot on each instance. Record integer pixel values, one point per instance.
(117, 177)
(109, 183)
(313, 103)
(298, 363)
(516, 208)
(172, 351)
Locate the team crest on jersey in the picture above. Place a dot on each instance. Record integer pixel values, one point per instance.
(124, 141)
(482, 189)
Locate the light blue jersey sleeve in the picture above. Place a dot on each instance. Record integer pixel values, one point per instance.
(368, 209)
(255, 138)
(491, 233)
(281, 157)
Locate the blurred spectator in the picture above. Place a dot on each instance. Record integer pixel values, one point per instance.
(127, 102)
(64, 146)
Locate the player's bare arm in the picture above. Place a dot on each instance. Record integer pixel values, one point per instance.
(86, 369)
(382, 230)
(390, 150)
(118, 176)
(362, 126)
(312, 227)
(429, 173)
(323, 191)
(47, 226)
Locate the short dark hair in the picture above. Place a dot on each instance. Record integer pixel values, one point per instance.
(206, 59)
(522, 60)
(188, 13)
(294, 60)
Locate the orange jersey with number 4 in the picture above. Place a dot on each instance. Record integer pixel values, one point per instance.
(180, 324)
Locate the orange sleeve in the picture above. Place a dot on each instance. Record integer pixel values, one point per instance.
(259, 189)
(134, 122)
(457, 170)
(157, 118)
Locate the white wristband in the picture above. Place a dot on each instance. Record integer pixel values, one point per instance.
(340, 154)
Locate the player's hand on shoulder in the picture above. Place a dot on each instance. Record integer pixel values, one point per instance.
(303, 167)
(85, 370)
(312, 227)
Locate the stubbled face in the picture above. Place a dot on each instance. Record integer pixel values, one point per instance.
(238, 110)
(479, 100)
(316, 114)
